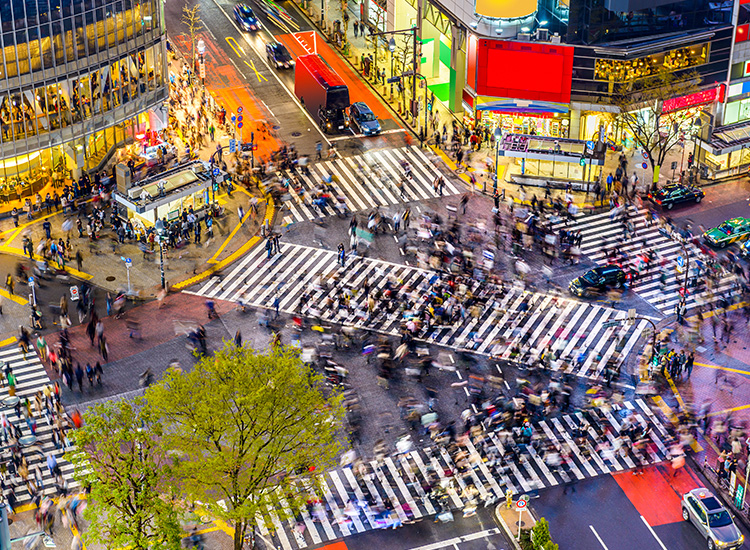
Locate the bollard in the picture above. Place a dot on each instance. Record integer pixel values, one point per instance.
(508, 498)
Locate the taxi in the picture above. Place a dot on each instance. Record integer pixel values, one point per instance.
(731, 231)
(701, 508)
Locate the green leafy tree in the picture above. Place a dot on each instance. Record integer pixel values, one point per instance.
(641, 105)
(251, 431)
(117, 455)
(541, 537)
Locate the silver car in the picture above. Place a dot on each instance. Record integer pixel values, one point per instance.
(706, 512)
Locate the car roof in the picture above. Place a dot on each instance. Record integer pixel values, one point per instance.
(701, 493)
(362, 106)
(711, 503)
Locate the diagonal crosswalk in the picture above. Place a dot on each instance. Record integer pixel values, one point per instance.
(420, 483)
(503, 322)
(366, 181)
(600, 233)
(32, 377)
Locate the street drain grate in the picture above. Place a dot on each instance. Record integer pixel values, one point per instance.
(296, 134)
(110, 278)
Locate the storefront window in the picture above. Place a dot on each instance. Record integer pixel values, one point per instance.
(612, 70)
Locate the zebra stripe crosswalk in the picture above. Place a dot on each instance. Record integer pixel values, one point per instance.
(304, 280)
(367, 181)
(31, 377)
(600, 233)
(573, 446)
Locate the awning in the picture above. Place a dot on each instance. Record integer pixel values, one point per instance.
(523, 106)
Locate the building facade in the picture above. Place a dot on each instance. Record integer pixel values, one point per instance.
(78, 78)
(552, 67)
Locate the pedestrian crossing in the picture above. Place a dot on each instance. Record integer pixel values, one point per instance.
(31, 377)
(600, 233)
(365, 182)
(583, 337)
(438, 480)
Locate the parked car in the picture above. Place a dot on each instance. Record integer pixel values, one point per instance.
(677, 193)
(278, 56)
(597, 280)
(246, 18)
(363, 119)
(701, 508)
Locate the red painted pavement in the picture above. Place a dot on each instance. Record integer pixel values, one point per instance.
(657, 493)
(231, 91)
(304, 43)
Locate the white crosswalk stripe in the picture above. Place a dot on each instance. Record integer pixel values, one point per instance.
(366, 181)
(356, 498)
(32, 377)
(600, 233)
(308, 280)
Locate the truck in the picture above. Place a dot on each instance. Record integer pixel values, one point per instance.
(323, 92)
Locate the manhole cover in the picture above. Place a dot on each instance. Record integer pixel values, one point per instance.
(296, 134)
(277, 127)
(110, 278)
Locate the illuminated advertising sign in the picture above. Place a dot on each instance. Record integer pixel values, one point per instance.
(505, 9)
(691, 100)
(524, 70)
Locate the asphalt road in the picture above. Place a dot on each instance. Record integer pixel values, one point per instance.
(624, 511)
(479, 532)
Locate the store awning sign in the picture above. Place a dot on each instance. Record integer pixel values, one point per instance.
(691, 100)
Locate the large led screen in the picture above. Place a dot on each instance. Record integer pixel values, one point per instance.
(522, 70)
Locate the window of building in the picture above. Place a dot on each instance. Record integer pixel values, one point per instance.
(627, 71)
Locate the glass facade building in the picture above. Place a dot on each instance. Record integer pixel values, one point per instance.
(77, 79)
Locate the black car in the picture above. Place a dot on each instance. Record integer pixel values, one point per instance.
(677, 193)
(246, 18)
(278, 56)
(599, 279)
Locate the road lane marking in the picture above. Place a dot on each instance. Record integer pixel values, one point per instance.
(458, 540)
(598, 537)
(235, 47)
(654, 534)
(263, 59)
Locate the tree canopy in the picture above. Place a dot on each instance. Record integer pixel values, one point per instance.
(251, 432)
(117, 455)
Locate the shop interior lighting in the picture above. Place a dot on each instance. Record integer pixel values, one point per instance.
(542, 23)
(524, 29)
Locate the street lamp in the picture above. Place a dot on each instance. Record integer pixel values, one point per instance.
(201, 47)
(160, 230)
(498, 136)
(392, 48)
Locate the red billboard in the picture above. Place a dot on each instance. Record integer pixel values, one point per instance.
(524, 70)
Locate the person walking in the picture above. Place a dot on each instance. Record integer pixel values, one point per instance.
(689, 364)
(79, 376)
(10, 284)
(342, 254)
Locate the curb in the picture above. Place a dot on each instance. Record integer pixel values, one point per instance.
(270, 211)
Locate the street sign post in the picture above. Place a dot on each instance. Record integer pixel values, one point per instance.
(610, 324)
(128, 262)
(33, 291)
(520, 506)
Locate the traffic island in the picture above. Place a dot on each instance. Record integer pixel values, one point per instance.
(521, 528)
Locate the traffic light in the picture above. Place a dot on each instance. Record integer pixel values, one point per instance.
(582, 161)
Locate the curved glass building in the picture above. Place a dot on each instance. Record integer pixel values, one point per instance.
(78, 78)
